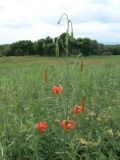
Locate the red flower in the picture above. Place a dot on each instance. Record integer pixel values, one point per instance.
(41, 126)
(67, 125)
(79, 108)
(57, 89)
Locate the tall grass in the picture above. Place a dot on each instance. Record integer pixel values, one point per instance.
(25, 100)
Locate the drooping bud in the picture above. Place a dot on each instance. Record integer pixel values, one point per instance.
(81, 64)
(92, 103)
(46, 75)
(83, 103)
(72, 35)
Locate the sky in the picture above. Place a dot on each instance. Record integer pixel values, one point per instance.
(35, 19)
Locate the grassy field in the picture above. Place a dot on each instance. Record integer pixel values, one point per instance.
(26, 99)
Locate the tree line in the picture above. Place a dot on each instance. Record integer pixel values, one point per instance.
(46, 47)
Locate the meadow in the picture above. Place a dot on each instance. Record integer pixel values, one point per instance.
(26, 98)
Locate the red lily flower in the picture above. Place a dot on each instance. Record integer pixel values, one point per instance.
(79, 108)
(68, 125)
(41, 126)
(46, 75)
(57, 89)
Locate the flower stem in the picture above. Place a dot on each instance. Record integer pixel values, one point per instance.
(67, 61)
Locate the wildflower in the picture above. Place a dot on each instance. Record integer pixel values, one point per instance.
(41, 126)
(57, 89)
(79, 108)
(110, 132)
(68, 125)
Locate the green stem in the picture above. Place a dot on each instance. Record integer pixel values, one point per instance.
(67, 61)
(67, 74)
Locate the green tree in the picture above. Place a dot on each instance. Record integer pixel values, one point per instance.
(38, 46)
(86, 47)
(21, 48)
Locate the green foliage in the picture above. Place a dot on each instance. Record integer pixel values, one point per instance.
(38, 47)
(114, 49)
(21, 48)
(46, 47)
(4, 49)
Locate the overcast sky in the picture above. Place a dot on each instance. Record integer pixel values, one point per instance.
(35, 19)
